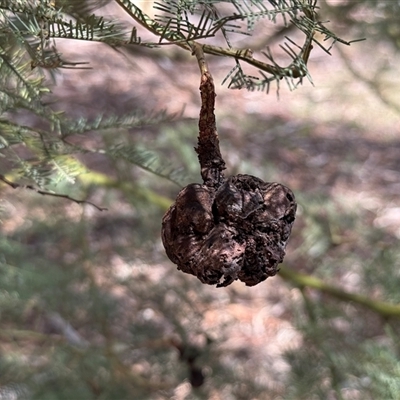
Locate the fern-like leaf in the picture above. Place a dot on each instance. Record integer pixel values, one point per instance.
(147, 160)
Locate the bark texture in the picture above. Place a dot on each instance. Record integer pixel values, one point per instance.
(238, 231)
(226, 229)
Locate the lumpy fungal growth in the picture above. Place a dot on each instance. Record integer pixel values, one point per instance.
(226, 229)
(238, 231)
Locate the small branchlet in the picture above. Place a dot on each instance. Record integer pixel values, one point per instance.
(48, 193)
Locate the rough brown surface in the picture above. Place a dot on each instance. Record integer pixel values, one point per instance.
(237, 232)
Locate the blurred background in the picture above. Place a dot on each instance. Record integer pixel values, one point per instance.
(90, 306)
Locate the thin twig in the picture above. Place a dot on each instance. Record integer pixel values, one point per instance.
(372, 84)
(47, 193)
(197, 50)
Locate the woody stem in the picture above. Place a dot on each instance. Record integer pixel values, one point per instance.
(210, 158)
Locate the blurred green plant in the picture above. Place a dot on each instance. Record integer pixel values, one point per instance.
(377, 21)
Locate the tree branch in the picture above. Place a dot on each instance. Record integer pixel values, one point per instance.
(372, 84)
(291, 71)
(47, 193)
(303, 280)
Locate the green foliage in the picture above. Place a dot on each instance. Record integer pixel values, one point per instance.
(26, 34)
(28, 38)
